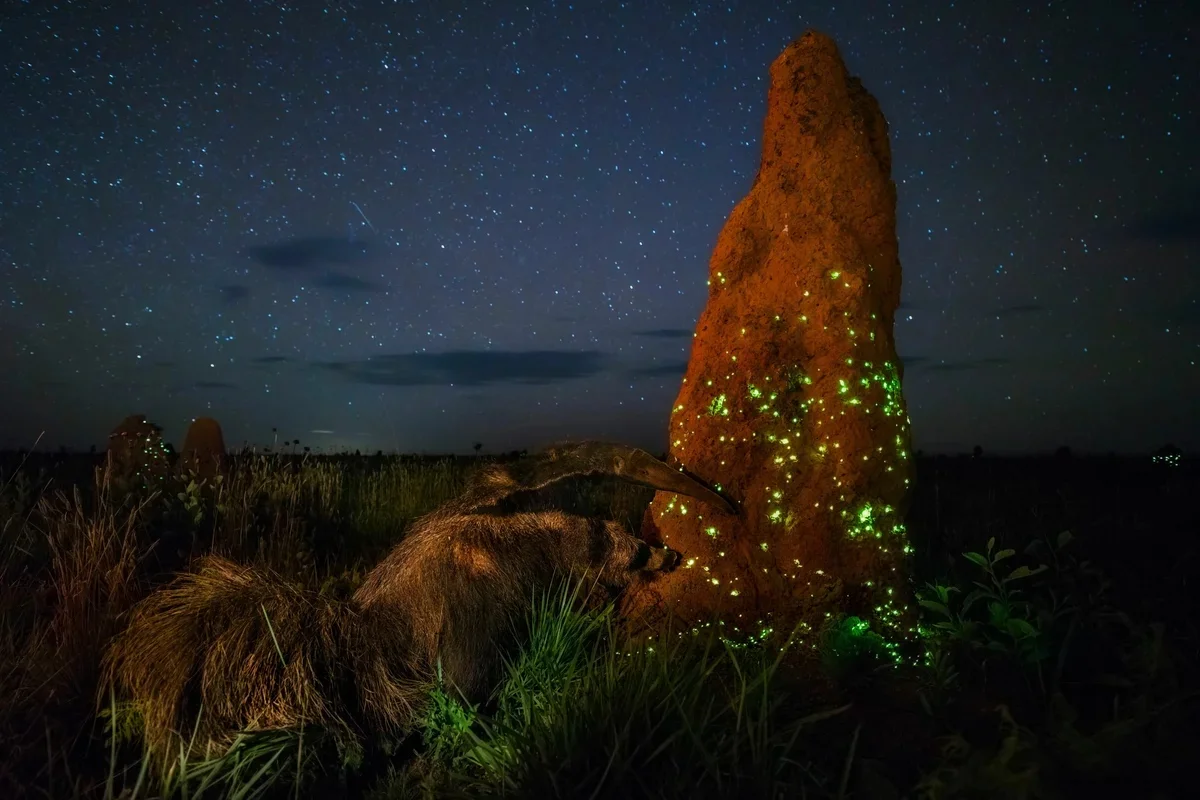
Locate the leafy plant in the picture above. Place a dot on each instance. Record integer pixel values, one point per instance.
(447, 725)
(1009, 767)
(1101, 704)
(583, 711)
(849, 649)
(197, 497)
(997, 615)
(1036, 685)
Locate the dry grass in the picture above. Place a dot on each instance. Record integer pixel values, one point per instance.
(227, 649)
(242, 647)
(59, 619)
(277, 512)
(74, 562)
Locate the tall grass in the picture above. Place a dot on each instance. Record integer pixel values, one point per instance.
(58, 617)
(276, 511)
(75, 558)
(254, 764)
(1031, 687)
(585, 711)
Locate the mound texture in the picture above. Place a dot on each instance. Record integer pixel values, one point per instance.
(792, 401)
(203, 447)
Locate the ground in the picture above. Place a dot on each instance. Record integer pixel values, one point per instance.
(1066, 679)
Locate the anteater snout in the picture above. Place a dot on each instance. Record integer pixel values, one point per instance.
(662, 559)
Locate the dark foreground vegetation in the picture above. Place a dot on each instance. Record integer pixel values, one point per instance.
(1059, 638)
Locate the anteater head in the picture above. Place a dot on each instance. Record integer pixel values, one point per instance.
(604, 458)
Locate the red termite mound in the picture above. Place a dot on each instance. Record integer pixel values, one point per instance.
(792, 399)
(136, 455)
(203, 447)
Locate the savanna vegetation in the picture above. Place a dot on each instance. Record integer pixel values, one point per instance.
(1059, 647)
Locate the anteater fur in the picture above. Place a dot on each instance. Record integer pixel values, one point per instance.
(229, 648)
(242, 649)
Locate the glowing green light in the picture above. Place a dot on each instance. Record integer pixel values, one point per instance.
(718, 406)
(814, 421)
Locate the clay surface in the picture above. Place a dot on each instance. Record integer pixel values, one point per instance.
(792, 400)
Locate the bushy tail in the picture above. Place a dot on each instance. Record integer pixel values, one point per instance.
(229, 648)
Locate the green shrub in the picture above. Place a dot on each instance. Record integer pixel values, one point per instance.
(585, 711)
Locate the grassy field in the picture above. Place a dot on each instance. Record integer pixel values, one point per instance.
(1061, 643)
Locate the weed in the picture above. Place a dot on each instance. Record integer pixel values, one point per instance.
(1034, 683)
(1098, 688)
(583, 711)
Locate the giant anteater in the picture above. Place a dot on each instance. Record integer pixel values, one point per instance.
(229, 648)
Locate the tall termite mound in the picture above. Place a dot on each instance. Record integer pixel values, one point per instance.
(792, 401)
(203, 447)
(137, 457)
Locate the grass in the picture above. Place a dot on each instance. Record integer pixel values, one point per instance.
(1057, 664)
(585, 713)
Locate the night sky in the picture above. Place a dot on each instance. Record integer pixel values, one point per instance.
(417, 226)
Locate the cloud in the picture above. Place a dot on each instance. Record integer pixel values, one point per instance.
(965, 365)
(924, 363)
(1174, 226)
(311, 252)
(672, 369)
(270, 363)
(1017, 310)
(471, 367)
(213, 385)
(665, 333)
(337, 280)
(1178, 222)
(233, 292)
(11, 331)
(1186, 313)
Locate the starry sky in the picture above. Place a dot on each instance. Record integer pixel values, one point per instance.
(416, 226)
